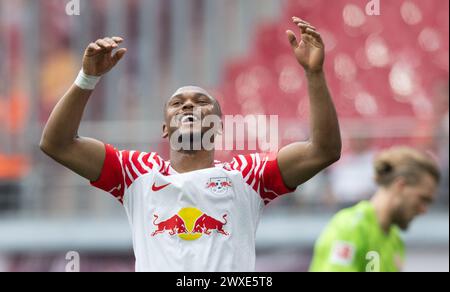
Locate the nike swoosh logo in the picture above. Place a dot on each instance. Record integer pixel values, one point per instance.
(158, 188)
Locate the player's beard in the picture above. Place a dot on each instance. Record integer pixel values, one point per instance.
(401, 219)
(189, 139)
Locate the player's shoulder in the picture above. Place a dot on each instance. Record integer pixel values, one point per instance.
(242, 161)
(137, 158)
(256, 155)
(348, 226)
(353, 218)
(133, 153)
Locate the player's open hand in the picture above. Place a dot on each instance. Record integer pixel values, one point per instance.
(99, 57)
(310, 51)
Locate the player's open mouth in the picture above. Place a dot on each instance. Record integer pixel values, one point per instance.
(189, 119)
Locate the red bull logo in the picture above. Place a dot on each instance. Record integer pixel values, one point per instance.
(175, 225)
(205, 224)
(219, 185)
(190, 224)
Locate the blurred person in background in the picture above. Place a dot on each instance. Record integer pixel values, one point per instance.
(14, 165)
(366, 237)
(14, 109)
(346, 190)
(218, 234)
(316, 195)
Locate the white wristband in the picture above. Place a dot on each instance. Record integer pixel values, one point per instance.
(86, 82)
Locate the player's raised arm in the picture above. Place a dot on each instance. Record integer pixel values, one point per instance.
(301, 161)
(60, 138)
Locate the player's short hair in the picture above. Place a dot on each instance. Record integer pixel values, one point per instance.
(404, 162)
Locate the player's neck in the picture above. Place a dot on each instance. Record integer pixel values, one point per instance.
(381, 204)
(186, 161)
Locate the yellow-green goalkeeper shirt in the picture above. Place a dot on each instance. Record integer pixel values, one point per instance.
(354, 242)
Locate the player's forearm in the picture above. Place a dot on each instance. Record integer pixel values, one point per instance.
(62, 127)
(325, 133)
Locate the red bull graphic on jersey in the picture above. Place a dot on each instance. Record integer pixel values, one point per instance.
(190, 224)
(205, 224)
(219, 185)
(175, 225)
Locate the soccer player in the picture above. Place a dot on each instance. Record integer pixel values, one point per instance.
(366, 237)
(192, 213)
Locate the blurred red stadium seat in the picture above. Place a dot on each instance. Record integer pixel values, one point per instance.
(377, 66)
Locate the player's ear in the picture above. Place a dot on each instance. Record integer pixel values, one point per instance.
(165, 132)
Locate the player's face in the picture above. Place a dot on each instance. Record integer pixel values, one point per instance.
(186, 111)
(415, 200)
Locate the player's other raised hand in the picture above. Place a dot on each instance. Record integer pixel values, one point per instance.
(99, 57)
(310, 49)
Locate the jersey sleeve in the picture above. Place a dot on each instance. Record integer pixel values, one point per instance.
(340, 248)
(262, 173)
(121, 168)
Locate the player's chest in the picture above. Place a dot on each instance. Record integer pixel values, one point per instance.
(388, 256)
(213, 186)
(188, 204)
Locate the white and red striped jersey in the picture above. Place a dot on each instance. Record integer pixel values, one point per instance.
(203, 220)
